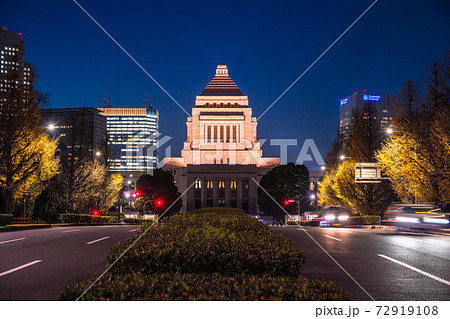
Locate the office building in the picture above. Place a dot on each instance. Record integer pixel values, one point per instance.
(132, 139)
(221, 156)
(384, 107)
(76, 127)
(14, 72)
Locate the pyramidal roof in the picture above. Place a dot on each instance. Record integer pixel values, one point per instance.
(222, 84)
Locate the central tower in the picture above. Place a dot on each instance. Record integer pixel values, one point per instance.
(221, 148)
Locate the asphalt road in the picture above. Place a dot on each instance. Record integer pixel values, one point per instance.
(386, 264)
(38, 264)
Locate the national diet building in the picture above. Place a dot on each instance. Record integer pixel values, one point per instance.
(221, 155)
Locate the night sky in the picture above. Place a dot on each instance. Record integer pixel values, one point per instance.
(265, 44)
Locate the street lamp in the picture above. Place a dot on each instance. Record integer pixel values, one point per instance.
(98, 154)
(390, 131)
(51, 127)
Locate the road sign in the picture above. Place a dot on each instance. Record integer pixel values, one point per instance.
(368, 173)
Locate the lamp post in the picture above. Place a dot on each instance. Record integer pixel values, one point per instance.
(391, 131)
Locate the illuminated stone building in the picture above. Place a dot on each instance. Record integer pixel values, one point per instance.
(221, 156)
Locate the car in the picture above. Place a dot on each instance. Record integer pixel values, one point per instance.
(335, 215)
(415, 216)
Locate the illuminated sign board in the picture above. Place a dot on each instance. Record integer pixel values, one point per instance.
(368, 97)
(344, 101)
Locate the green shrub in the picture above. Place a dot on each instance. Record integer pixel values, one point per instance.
(364, 220)
(179, 286)
(207, 249)
(88, 219)
(6, 219)
(136, 221)
(219, 210)
(312, 223)
(232, 222)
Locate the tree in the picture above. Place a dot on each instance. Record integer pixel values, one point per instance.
(159, 185)
(362, 198)
(80, 170)
(327, 195)
(406, 168)
(290, 181)
(108, 191)
(21, 161)
(420, 148)
(47, 164)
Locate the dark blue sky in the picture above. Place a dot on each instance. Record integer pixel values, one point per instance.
(265, 44)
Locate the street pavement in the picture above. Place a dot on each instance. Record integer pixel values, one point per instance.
(38, 264)
(380, 264)
(384, 264)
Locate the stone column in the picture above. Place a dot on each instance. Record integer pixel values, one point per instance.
(227, 191)
(203, 192)
(239, 193)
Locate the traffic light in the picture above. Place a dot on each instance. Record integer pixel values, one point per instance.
(159, 202)
(95, 212)
(137, 194)
(286, 202)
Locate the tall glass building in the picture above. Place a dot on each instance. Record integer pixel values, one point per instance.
(132, 138)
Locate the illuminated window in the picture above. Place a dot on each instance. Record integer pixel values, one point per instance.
(198, 183)
(209, 184)
(233, 183)
(221, 183)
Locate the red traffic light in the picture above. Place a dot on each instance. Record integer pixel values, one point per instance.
(159, 202)
(286, 202)
(137, 194)
(95, 212)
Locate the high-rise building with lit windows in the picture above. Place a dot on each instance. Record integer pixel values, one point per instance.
(132, 139)
(384, 106)
(14, 72)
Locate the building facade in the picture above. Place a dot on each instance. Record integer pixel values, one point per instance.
(76, 127)
(221, 158)
(132, 140)
(14, 72)
(384, 105)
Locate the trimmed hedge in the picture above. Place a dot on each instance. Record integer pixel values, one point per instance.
(311, 223)
(232, 222)
(136, 221)
(179, 286)
(6, 219)
(365, 220)
(219, 210)
(88, 219)
(207, 249)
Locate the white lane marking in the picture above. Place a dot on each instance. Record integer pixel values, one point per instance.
(11, 240)
(132, 230)
(20, 267)
(97, 240)
(333, 237)
(416, 270)
(70, 231)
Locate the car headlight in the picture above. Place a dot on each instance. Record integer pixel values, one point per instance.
(407, 219)
(436, 220)
(329, 217)
(343, 217)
